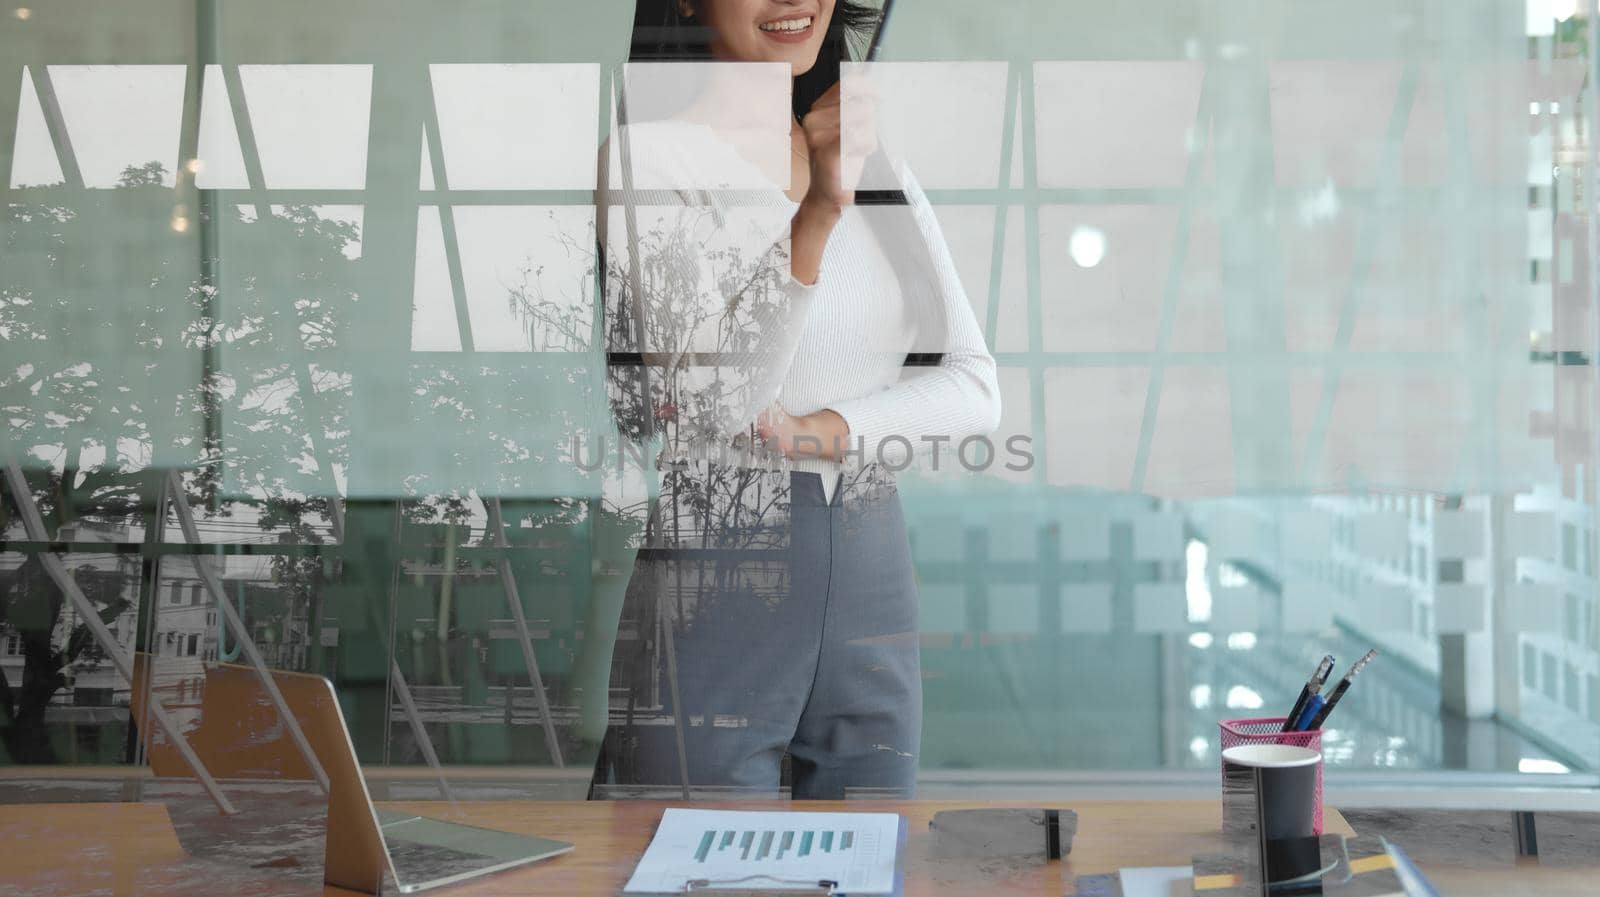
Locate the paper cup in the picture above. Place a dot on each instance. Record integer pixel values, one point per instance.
(1280, 784)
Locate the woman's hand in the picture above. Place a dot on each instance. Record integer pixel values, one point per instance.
(839, 138)
(838, 141)
(821, 435)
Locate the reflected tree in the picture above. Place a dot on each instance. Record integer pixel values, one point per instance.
(129, 353)
(110, 326)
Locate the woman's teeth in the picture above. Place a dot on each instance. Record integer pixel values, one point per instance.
(788, 25)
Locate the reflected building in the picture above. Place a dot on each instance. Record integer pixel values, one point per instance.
(184, 629)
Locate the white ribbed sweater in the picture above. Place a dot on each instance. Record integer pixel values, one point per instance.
(887, 286)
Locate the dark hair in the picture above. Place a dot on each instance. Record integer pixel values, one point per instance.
(660, 32)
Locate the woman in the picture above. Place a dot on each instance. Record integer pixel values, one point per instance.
(783, 593)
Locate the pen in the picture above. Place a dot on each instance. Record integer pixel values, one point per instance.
(1313, 685)
(1313, 707)
(1340, 689)
(877, 36)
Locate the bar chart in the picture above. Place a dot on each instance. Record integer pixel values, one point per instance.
(772, 843)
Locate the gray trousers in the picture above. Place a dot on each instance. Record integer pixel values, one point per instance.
(824, 667)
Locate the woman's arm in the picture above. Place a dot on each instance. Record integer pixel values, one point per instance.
(809, 230)
(826, 194)
(717, 295)
(708, 295)
(929, 406)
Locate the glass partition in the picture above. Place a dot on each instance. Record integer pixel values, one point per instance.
(315, 357)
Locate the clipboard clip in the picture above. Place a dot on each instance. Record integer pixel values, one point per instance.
(720, 886)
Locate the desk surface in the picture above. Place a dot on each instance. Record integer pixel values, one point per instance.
(132, 849)
(1110, 835)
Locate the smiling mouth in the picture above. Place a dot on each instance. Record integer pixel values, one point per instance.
(788, 29)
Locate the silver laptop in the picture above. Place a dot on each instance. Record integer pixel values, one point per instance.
(240, 735)
(426, 853)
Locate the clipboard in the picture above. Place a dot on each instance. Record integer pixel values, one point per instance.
(877, 36)
(878, 161)
(824, 887)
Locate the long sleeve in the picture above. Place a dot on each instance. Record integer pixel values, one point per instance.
(699, 287)
(954, 400)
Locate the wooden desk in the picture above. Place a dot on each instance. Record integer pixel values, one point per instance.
(1110, 835)
(58, 849)
(130, 848)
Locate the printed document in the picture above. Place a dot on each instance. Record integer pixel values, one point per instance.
(777, 851)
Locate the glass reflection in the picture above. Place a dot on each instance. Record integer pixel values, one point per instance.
(1338, 280)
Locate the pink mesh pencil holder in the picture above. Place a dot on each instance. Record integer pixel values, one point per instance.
(1238, 802)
